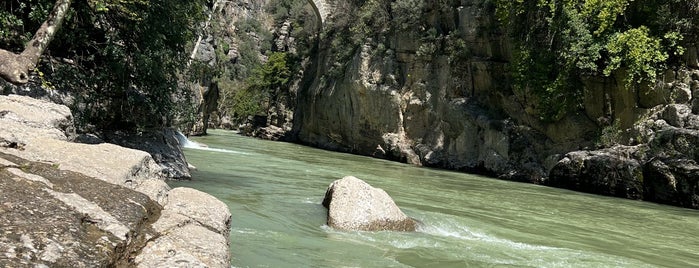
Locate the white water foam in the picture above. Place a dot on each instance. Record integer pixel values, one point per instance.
(454, 230)
(310, 200)
(541, 256)
(219, 150)
(187, 143)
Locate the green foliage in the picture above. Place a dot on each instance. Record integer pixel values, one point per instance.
(638, 51)
(407, 13)
(611, 135)
(561, 41)
(603, 13)
(126, 56)
(248, 102)
(19, 19)
(274, 74)
(260, 89)
(553, 90)
(248, 85)
(373, 18)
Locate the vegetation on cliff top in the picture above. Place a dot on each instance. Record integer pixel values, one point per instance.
(558, 42)
(264, 66)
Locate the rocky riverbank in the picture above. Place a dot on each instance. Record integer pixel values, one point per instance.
(85, 205)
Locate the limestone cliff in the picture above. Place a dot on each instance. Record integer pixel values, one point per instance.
(399, 98)
(432, 83)
(446, 100)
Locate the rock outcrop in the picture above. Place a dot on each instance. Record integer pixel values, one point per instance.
(447, 99)
(354, 205)
(55, 218)
(162, 145)
(662, 169)
(87, 205)
(613, 171)
(197, 227)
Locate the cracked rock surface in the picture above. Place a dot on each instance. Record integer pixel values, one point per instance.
(64, 204)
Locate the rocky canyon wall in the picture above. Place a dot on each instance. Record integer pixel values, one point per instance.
(447, 102)
(444, 109)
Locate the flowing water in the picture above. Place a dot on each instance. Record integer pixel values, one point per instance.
(274, 191)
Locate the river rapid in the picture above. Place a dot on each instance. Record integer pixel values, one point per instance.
(274, 191)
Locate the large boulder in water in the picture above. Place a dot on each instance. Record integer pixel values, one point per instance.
(355, 205)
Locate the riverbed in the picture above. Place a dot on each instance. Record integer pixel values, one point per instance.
(274, 191)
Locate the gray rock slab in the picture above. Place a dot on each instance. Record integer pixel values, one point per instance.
(191, 245)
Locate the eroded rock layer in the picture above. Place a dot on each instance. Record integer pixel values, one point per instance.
(95, 205)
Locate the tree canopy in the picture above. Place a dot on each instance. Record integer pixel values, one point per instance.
(121, 59)
(560, 41)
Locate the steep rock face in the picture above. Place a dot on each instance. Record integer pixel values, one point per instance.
(436, 110)
(70, 204)
(403, 98)
(230, 34)
(205, 96)
(356, 206)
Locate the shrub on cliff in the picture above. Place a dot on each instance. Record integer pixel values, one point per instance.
(262, 86)
(560, 41)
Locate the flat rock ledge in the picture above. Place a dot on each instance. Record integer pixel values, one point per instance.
(354, 205)
(95, 205)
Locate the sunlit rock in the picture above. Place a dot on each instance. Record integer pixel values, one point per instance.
(66, 204)
(355, 205)
(194, 228)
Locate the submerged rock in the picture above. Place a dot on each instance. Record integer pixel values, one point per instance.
(355, 205)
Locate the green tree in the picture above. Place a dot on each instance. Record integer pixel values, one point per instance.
(273, 75)
(560, 41)
(263, 86)
(121, 59)
(15, 67)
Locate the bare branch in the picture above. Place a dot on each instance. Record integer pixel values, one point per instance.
(15, 68)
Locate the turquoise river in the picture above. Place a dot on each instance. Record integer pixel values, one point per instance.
(274, 191)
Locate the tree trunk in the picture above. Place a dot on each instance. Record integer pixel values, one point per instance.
(15, 68)
(201, 35)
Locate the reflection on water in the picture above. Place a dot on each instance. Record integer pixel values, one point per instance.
(274, 192)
